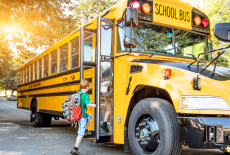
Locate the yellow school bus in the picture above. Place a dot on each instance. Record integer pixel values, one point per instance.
(152, 75)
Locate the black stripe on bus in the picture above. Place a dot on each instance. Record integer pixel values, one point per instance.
(58, 94)
(57, 85)
(74, 70)
(22, 96)
(58, 113)
(106, 13)
(221, 73)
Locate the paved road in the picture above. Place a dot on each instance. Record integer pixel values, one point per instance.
(18, 137)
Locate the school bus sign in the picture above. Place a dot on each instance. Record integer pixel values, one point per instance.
(172, 14)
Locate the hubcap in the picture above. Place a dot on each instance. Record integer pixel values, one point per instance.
(147, 133)
(33, 116)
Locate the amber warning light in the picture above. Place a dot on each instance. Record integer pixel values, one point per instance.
(197, 20)
(166, 73)
(145, 8)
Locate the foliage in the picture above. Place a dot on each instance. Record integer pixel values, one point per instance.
(218, 11)
(9, 78)
(32, 24)
(28, 25)
(86, 10)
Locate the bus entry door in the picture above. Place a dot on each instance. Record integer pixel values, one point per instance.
(104, 80)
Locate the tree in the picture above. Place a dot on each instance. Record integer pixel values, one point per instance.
(30, 24)
(86, 10)
(9, 80)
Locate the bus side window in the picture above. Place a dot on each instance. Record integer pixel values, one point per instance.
(30, 73)
(35, 71)
(89, 50)
(27, 74)
(63, 64)
(74, 51)
(21, 77)
(24, 75)
(53, 62)
(45, 65)
(39, 68)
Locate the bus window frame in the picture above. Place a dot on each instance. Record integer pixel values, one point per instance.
(173, 28)
(60, 59)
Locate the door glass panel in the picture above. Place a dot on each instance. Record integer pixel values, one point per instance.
(106, 39)
(106, 100)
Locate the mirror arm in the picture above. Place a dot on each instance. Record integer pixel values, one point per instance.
(206, 53)
(216, 59)
(131, 28)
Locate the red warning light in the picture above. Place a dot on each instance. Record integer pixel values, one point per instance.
(136, 4)
(205, 22)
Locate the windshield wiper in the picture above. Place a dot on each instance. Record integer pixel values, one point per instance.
(216, 59)
(196, 80)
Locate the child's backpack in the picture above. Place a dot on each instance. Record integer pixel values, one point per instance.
(72, 108)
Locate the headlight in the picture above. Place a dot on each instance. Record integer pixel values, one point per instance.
(203, 102)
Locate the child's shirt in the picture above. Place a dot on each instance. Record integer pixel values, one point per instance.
(84, 103)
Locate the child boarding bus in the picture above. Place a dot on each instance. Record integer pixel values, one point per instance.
(151, 73)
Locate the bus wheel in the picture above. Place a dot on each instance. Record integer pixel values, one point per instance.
(36, 118)
(47, 120)
(154, 129)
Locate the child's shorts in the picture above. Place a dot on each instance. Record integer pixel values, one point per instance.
(82, 123)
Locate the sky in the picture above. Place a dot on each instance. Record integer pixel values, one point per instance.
(194, 3)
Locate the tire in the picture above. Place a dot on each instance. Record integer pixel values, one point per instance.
(47, 120)
(36, 118)
(153, 128)
(226, 152)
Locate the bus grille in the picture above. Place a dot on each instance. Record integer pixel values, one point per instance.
(136, 69)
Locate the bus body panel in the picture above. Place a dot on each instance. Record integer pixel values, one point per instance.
(51, 93)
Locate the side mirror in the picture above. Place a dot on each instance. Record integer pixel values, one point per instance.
(222, 31)
(130, 42)
(131, 20)
(131, 17)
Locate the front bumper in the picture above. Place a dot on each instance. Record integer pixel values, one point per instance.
(205, 132)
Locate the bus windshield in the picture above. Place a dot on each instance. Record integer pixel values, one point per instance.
(160, 40)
